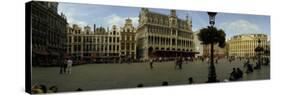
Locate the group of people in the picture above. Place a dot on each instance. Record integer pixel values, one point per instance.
(178, 63)
(65, 67)
(236, 74)
(250, 67)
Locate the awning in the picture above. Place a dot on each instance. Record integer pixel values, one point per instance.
(54, 53)
(40, 52)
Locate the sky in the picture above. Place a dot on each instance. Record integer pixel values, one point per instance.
(106, 16)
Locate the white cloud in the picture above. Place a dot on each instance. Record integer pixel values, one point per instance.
(135, 21)
(118, 20)
(71, 20)
(240, 27)
(72, 13)
(113, 20)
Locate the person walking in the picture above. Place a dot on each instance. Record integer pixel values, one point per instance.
(69, 66)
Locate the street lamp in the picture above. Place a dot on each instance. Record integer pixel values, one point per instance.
(212, 18)
(212, 76)
(258, 51)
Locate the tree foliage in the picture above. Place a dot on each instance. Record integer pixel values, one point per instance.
(213, 35)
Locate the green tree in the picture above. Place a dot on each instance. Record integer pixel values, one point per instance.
(211, 35)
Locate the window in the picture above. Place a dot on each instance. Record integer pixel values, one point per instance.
(133, 46)
(173, 41)
(69, 39)
(113, 47)
(128, 46)
(122, 46)
(101, 39)
(113, 39)
(75, 39)
(79, 39)
(133, 38)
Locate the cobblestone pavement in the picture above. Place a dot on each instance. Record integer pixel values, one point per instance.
(108, 76)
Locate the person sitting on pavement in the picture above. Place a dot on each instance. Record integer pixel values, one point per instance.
(190, 80)
(140, 85)
(239, 73)
(165, 83)
(36, 89)
(233, 75)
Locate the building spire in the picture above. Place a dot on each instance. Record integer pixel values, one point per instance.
(173, 13)
(187, 16)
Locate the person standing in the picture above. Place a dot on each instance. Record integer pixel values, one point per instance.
(151, 64)
(176, 63)
(180, 63)
(64, 66)
(69, 66)
(61, 66)
(217, 61)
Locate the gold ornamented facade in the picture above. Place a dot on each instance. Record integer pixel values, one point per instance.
(244, 45)
(160, 35)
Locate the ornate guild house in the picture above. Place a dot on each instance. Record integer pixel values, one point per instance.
(163, 36)
(100, 45)
(97, 45)
(48, 34)
(128, 41)
(244, 45)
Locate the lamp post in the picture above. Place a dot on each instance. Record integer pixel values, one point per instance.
(212, 76)
(258, 51)
(212, 19)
